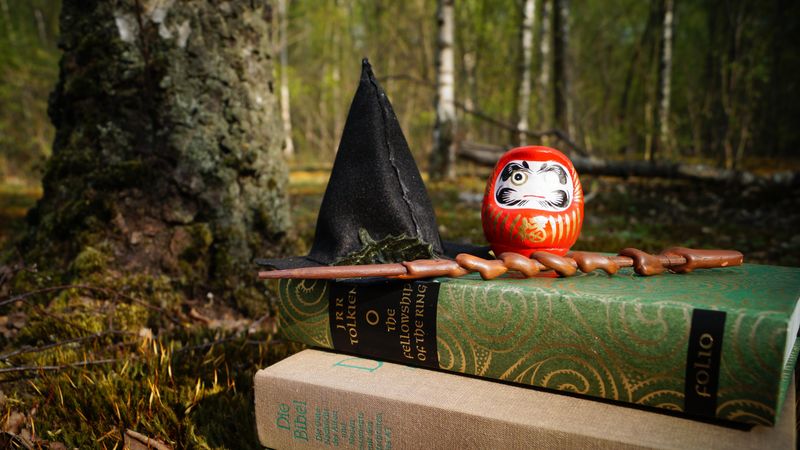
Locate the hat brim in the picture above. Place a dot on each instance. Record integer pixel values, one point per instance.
(451, 249)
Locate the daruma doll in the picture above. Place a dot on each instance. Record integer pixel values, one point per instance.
(533, 202)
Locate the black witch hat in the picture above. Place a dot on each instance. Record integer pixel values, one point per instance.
(375, 208)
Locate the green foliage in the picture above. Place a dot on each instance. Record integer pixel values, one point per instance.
(718, 86)
(613, 55)
(28, 70)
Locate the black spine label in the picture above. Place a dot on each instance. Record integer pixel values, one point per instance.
(702, 362)
(392, 320)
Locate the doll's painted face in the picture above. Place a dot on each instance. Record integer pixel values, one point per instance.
(544, 185)
(533, 202)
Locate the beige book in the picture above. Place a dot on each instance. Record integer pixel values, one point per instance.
(324, 399)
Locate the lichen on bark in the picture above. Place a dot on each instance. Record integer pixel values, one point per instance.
(167, 148)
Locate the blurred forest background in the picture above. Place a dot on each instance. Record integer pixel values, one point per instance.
(720, 90)
(733, 76)
(640, 85)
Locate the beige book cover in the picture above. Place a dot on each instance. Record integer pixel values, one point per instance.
(323, 399)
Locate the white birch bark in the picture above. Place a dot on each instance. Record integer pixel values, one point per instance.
(665, 75)
(286, 112)
(443, 156)
(544, 63)
(526, 57)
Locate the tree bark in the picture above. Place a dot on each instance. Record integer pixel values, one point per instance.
(167, 155)
(638, 59)
(443, 155)
(664, 78)
(525, 59)
(286, 112)
(544, 63)
(562, 104)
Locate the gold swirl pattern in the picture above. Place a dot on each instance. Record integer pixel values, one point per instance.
(757, 346)
(305, 317)
(748, 411)
(663, 398)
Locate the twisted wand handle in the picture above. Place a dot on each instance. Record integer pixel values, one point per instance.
(675, 259)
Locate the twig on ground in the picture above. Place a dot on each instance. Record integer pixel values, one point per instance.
(56, 368)
(144, 441)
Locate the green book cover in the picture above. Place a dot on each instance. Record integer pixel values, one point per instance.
(712, 343)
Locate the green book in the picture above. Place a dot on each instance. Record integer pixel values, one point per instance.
(715, 343)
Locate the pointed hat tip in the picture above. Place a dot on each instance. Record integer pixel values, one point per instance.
(366, 70)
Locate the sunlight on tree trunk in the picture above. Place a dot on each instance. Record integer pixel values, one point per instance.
(286, 112)
(525, 60)
(663, 146)
(167, 156)
(544, 63)
(443, 155)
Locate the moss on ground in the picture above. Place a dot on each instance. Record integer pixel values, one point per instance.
(113, 353)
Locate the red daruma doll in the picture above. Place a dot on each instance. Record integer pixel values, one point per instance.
(533, 202)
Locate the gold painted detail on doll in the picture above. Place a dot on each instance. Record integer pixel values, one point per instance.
(534, 228)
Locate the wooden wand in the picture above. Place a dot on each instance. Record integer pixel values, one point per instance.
(675, 259)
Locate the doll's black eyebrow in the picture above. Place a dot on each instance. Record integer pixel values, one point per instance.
(562, 174)
(511, 168)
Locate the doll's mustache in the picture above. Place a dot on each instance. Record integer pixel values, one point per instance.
(508, 196)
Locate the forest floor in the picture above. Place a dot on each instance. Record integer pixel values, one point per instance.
(97, 364)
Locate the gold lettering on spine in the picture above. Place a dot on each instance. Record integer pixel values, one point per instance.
(405, 327)
(703, 364)
(350, 323)
(419, 323)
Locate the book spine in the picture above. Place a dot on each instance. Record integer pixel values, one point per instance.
(295, 414)
(294, 411)
(663, 354)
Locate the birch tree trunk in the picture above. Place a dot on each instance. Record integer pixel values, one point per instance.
(665, 78)
(443, 155)
(167, 155)
(561, 71)
(544, 63)
(286, 111)
(525, 60)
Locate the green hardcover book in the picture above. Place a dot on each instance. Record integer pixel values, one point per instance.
(716, 343)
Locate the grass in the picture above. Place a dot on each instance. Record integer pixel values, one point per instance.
(82, 365)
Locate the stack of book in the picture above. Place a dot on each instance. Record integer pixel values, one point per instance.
(698, 360)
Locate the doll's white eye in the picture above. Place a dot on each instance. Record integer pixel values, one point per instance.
(519, 177)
